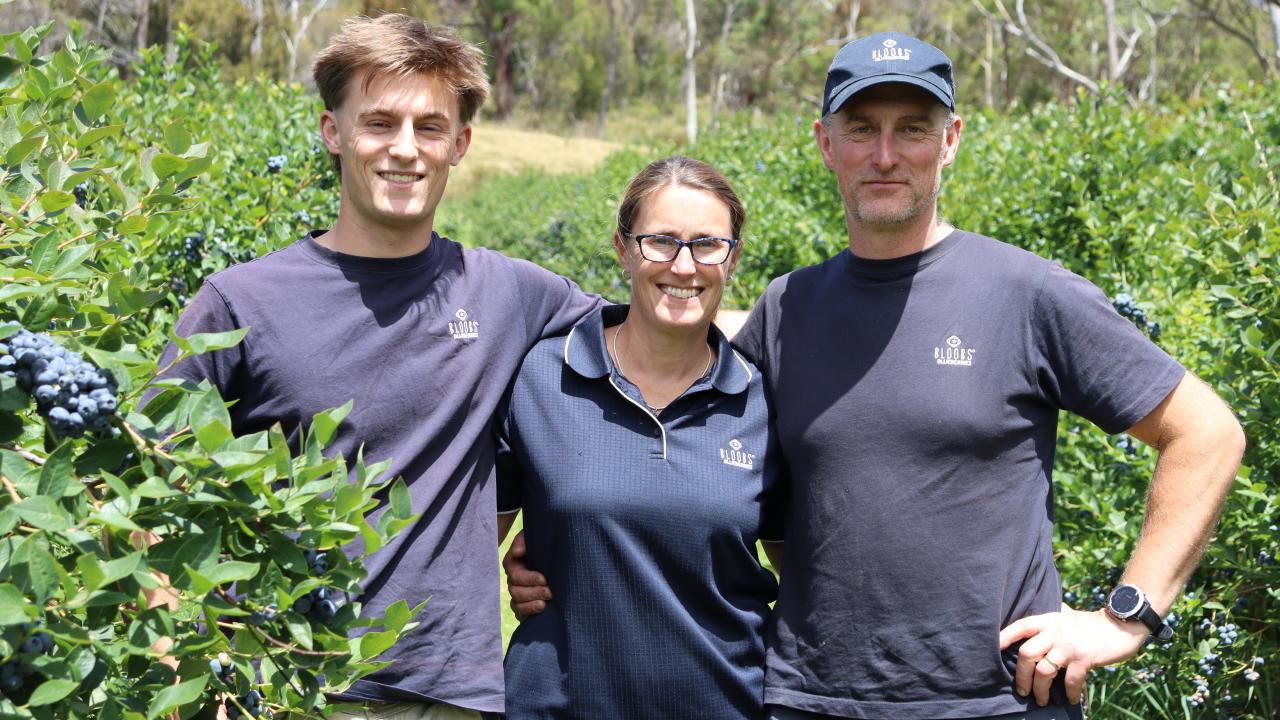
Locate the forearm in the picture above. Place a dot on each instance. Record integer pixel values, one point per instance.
(505, 521)
(1199, 456)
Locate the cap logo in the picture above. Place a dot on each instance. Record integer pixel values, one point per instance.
(891, 51)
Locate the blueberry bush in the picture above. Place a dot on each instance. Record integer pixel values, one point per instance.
(151, 563)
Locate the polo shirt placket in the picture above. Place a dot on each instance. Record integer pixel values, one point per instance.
(629, 546)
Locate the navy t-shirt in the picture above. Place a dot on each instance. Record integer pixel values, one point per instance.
(425, 345)
(917, 404)
(645, 527)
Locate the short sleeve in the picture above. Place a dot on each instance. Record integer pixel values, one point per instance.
(208, 312)
(1093, 362)
(749, 340)
(507, 465)
(552, 304)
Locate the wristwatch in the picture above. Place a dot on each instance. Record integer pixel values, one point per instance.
(1128, 602)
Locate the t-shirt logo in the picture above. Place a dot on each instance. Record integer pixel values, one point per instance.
(890, 51)
(954, 353)
(464, 328)
(736, 456)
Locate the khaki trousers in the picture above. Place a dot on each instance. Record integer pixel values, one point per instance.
(408, 711)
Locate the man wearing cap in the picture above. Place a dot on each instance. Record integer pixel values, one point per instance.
(917, 378)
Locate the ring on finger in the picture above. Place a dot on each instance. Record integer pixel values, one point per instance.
(1056, 667)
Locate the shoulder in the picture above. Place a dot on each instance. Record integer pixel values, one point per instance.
(265, 269)
(990, 260)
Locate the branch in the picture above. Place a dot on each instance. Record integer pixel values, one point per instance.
(1041, 50)
(24, 454)
(1211, 15)
(284, 645)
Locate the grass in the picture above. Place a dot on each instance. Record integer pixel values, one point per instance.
(500, 149)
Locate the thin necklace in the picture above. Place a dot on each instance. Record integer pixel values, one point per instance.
(617, 360)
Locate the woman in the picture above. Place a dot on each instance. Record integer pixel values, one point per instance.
(639, 449)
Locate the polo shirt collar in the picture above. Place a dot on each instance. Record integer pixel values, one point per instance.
(586, 353)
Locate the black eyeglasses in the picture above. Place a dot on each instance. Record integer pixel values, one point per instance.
(664, 248)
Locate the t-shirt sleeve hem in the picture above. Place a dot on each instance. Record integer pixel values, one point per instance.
(1142, 406)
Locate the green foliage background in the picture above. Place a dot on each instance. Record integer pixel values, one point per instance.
(1176, 206)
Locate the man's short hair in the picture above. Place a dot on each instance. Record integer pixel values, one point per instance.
(398, 45)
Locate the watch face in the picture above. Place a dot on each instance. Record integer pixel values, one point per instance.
(1124, 600)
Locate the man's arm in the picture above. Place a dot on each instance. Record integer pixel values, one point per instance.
(505, 521)
(773, 550)
(1200, 444)
(529, 590)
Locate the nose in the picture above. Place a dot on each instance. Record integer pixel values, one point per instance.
(885, 155)
(403, 145)
(683, 264)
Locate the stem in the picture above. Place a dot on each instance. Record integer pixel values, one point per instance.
(282, 644)
(24, 454)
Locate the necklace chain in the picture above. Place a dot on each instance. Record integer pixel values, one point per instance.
(617, 360)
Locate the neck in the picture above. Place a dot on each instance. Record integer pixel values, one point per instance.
(879, 242)
(351, 236)
(662, 364)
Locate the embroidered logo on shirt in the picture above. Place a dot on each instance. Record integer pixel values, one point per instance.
(954, 353)
(891, 51)
(736, 457)
(463, 328)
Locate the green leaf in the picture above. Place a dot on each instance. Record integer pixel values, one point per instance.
(231, 571)
(133, 225)
(51, 691)
(300, 628)
(375, 643)
(401, 503)
(55, 476)
(166, 164)
(121, 567)
(210, 421)
(397, 616)
(94, 135)
(54, 200)
(42, 512)
(21, 149)
(176, 137)
(8, 66)
(176, 696)
(201, 343)
(90, 571)
(71, 259)
(325, 424)
(44, 254)
(33, 569)
(14, 291)
(98, 99)
(13, 606)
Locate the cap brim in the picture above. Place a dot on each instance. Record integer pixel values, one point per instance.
(858, 86)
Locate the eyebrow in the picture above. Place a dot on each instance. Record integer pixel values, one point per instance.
(384, 112)
(904, 118)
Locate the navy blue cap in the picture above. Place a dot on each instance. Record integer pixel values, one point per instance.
(887, 57)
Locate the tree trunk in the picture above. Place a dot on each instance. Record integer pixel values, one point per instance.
(259, 20)
(722, 77)
(1113, 45)
(1273, 7)
(611, 71)
(690, 79)
(499, 26)
(144, 21)
(989, 59)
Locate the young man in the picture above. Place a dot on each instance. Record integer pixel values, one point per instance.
(917, 380)
(423, 334)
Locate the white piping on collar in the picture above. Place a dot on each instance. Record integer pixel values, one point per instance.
(568, 338)
(745, 366)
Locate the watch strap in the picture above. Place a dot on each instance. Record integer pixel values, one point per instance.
(1160, 629)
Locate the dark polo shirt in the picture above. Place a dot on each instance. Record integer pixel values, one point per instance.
(645, 527)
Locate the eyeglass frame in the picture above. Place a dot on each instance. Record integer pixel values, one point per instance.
(681, 245)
